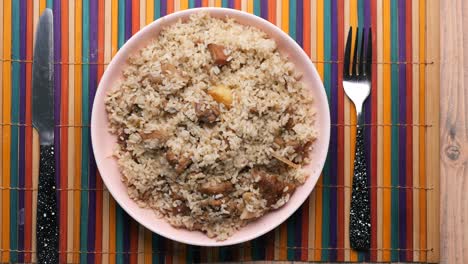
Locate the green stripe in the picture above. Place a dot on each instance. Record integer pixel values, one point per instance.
(157, 9)
(50, 4)
(293, 15)
(326, 173)
(119, 212)
(15, 98)
(394, 137)
(225, 3)
(257, 7)
(191, 3)
(84, 133)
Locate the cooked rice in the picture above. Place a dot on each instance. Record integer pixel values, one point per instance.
(198, 161)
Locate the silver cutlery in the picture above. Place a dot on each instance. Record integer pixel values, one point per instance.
(43, 121)
(357, 86)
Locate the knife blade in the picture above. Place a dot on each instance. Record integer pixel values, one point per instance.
(43, 121)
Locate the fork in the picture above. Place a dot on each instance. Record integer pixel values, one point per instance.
(357, 86)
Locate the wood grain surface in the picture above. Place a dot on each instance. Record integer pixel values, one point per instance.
(454, 131)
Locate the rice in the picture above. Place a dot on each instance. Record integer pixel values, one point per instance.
(213, 125)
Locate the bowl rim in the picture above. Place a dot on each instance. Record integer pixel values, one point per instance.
(276, 31)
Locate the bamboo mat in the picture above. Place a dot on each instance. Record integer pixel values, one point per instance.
(401, 134)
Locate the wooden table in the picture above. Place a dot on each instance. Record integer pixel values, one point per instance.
(454, 131)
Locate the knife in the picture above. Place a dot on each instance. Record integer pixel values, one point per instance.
(43, 121)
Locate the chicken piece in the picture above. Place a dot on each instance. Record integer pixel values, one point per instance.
(154, 78)
(221, 94)
(216, 188)
(207, 113)
(272, 188)
(217, 53)
(300, 148)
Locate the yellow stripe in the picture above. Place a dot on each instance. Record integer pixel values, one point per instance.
(184, 4)
(149, 11)
(1, 118)
(416, 120)
(347, 149)
(1, 130)
(353, 22)
(78, 47)
(285, 16)
(6, 139)
(218, 3)
(71, 131)
(250, 6)
(379, 130)
(386, 132)
(42, 5)
(115, 9)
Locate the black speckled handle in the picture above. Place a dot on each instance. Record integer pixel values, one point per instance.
(360, 222)
(47, 221)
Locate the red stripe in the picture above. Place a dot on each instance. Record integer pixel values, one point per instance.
(135, 16)
(28, 147)
(237, 4)
(340, 134)
(409, 137)
(373, 129)
(133, 242)
(99, 185)
(64, 133)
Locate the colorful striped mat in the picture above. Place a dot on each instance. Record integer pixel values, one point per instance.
(94, 229)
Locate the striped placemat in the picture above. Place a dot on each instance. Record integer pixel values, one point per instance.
(401, 117)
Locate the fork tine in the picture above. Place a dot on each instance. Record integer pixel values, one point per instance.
(361, 52)
(356, 42)
(347, 54)
(369, 53)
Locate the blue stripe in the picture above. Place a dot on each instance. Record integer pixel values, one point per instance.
(292, 18)
(14, 132)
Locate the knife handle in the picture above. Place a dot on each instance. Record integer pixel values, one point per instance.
(47, 219)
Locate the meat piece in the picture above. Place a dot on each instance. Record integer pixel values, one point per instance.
(216, 188)
(278, 141)
(207, 113)
(300, 148)
(272, 188)
(290, 124)
(181, 209)
(217, 53)
(154, 78)
(179, 164)
(157, 134)
(171, 157)
(168, 68)
(183, 164)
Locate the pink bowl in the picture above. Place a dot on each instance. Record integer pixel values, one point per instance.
(104, 142)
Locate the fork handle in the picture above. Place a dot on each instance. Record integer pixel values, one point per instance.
(360, 222)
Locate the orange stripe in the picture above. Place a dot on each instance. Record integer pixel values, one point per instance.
(148, 246)
(422, 132)
(204, 3)
(64, 131)
(77, 110)
(135, 16)
(6, 139)
(170, 6)
(28, 147)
